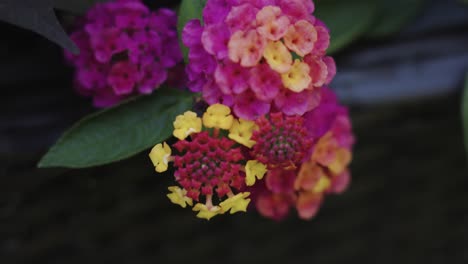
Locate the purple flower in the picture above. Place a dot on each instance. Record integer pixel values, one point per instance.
(123, 77)
(230, 78)
(248, 106)
(268, 52)
(125, 50)
(264, 82)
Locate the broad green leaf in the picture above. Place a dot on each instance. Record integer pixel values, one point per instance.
(119, 132)
(465, 111)
(37, 16)
(188, 10)
(347, 20)
(394, 15)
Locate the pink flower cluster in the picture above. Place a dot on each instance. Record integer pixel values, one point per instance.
(259, 56)
(322, 170)
(125, 49)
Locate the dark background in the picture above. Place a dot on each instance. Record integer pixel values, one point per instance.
(408, 202)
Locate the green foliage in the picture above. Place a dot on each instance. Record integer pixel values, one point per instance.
(347, 20)
(189, 9)
(37, 16)
(465, 111)
(394, 15)
(119, 132)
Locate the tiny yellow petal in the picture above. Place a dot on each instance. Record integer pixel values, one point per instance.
(278, 56)
(342, 159)
(218, 116)
(159, 155)
(322, 184)
(298, 78)
(205, 212)
(237, 203)
(241, 132)
(254, 170)
(179, 196)
(186, 124)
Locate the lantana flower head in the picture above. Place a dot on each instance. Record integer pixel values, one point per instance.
(125, 49)
(279, 161)
(259, 56)
(209, 161)
(317, 169)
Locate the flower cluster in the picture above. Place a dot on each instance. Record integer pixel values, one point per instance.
(322, 170)
(273, 133)
(125, 49)
(208, 161)
(283, 161)
(259, 56)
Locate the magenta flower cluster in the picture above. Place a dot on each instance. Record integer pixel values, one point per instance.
(125, 49)
(322, 172)
(259, 56)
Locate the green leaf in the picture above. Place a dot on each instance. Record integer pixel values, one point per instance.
(465, 112)
(37, 16)
(394, 15)
(188, 10)
(119, 132)
(347, 20)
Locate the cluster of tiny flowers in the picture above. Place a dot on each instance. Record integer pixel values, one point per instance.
(125, 49)
(209, 161)
(322, 169)
(273, 133)
(259, 56)
(278, 161)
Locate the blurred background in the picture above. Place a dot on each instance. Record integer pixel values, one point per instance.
(401, 69)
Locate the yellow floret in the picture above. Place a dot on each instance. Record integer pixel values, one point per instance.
(241, 132)
(298, 78)
(254, 170)
(159, 155)
(342, 159)
(186, 124)
(218, 116)
(278, 56)
(205, 212)
(179, 196)
(322, 184)
(236, 203)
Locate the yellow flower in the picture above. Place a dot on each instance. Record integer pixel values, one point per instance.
(179, 196)
(186, 124)
(159, 155)
(342, 159)
(218, 116)
(298, 78)
(241, 132)
(278, 56)
(236, 203)
(322, 184)
(205, 212)
(254, 170)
